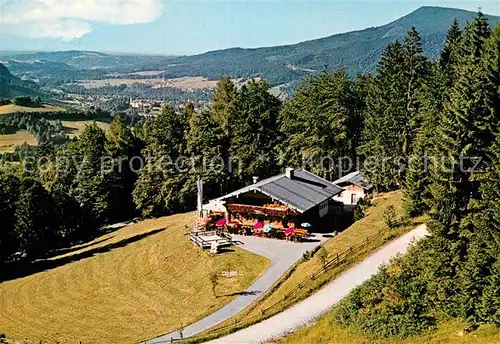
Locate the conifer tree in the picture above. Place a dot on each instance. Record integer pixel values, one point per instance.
(461, 138)
(223, 109)
(224, 102)
(33, 226)
(385, 107)
(322, 121)
(159, 188)
(123, 151)
(9, 191)
(430, 94)
(92, 184)
(450, 54)
(481, 275)
(204, 146)
(254, 133)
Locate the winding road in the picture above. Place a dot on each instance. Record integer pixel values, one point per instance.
(282, 254)
(319, 303)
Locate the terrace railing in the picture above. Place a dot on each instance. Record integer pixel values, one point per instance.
(260, 210)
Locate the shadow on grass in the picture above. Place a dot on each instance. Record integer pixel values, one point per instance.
(69, 130)
(23, 269)
(244, 293)
(225, 250)
(31, 105)
(67, 250)
(84, 243)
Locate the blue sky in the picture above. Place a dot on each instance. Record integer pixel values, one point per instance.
(188, 27)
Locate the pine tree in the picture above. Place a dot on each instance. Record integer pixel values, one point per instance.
(92, 184)
(119, 139)
(385, 107)
(161, 186)
(224, 102)
(123, 154)
(204, 145)
(450, 54)
(461, 136)
(254, 133)
(321, 124)
(431, 94)
(223, 110)
(392, 112)
(482, 274)
(415, 66)
(33, 226)
(9, 191)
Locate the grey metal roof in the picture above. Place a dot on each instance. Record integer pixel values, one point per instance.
(355, 178)
(303, 192)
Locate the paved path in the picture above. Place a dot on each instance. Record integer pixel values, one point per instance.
(319, 303)
(283, 255)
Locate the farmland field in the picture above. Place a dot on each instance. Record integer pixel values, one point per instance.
(135, 283)
(10, 108)
(185, 83)
(10, 141)
(75, 128)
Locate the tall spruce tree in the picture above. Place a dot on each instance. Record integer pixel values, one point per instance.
(461, 137)
(9, 192)
(159, 189)
(92, 184)
(224, 102)
(321, 124)
(34, 227)
(481, 273)
(392, 108)
(204, 146)
(431, 94)
(223, 110)
(450, 54)
(254, 133)
(123, 152)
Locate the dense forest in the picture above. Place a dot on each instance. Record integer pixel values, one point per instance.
(11, 86)
(446, 114)
(429, 127)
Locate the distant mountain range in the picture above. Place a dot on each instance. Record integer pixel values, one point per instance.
(357, 52)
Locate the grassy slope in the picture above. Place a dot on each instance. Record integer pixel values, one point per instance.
(370, 225)
(10, 108)
(10, 141)
(118, 290)
(325, 330)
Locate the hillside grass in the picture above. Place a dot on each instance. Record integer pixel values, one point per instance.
(325, 330)
(10, 108)
(139, 282)
(9, 142)
(279, 295)
(75, 128)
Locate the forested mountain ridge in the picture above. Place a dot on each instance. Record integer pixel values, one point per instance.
(356, 52)
(11, 86)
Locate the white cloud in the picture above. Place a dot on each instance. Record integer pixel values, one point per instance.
(69, 19)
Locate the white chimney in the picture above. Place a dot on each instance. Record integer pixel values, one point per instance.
(255, 179)
(289, 172)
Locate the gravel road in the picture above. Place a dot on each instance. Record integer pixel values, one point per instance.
(319, 303)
